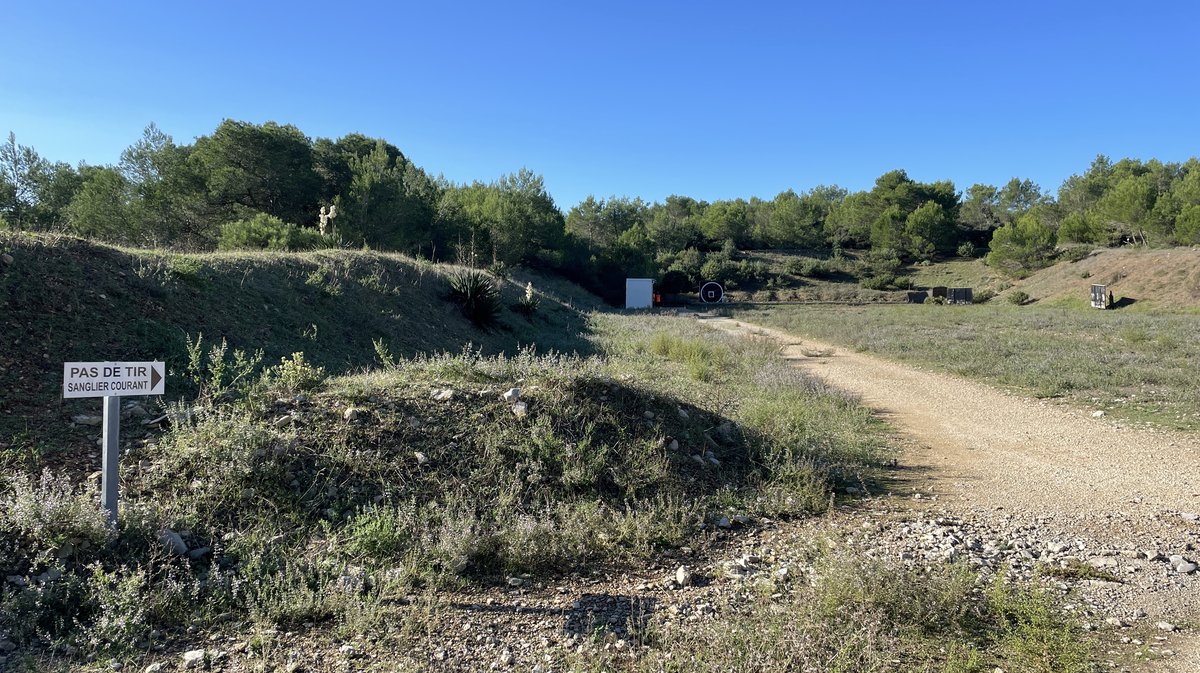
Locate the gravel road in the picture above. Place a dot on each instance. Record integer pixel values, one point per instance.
(997, 458)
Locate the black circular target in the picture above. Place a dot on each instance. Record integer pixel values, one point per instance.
(712, 292)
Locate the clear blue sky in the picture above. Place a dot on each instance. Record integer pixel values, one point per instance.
(713, 100)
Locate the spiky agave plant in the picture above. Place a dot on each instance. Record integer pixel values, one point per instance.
(475, 293)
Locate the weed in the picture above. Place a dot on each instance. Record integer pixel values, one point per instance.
(324, 279)
(1076, 570)
(49, 519)
(186, 270)
(215, 373)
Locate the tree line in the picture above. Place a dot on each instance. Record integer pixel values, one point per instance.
(270, 186)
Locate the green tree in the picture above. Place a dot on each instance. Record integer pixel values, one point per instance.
(1127, 206)
(726, 221)
(887, 231)
(260, 168)
(170, 192)
(798, 221)
(1080, 228)
(927, 230)
(601, 222)
(1187, 225)
(22, 170)
(1021, 246)
(674, 224)
(514, 219)
(389, 203)
(105, 208)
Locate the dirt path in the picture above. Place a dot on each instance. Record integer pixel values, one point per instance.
(988, 453)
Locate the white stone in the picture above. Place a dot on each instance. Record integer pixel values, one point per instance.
(520, 409)
(683, 576)
(512, 395)
(193, 659)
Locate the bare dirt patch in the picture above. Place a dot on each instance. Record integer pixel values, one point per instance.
(1001, 460)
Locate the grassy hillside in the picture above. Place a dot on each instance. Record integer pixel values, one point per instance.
(421, 474)
(1163, 279)
(1153, 279)
(65, 299)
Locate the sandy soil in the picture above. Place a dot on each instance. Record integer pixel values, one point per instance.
(988, 452)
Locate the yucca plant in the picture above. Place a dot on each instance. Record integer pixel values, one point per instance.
(475, 293)
(528, 304)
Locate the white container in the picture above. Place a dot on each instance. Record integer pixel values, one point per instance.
(639, 292)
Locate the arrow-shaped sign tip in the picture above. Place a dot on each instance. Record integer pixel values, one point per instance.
(155, 377)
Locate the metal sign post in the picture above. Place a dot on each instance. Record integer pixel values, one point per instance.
(112, 380)
(111, 435)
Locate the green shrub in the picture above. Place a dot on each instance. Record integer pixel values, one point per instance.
(966, 250)
(294, 375)
(1018, 297)
(881, 282)
(983, 296)
(718, 269)
(475, 293)
(267, 232)
(675, 281)
(808, 267)
(1075, 253)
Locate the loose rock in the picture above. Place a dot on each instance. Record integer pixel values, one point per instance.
(172, 542)
(512, 395)
(193, 659)
(683, 576)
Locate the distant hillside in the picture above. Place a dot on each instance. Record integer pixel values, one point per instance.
(64, 299)
(1168, 278)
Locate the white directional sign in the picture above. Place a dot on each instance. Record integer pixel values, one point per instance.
(113, 379)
